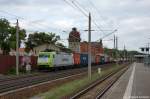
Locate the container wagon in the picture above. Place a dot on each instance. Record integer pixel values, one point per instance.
(99, 59)
(106, 58)
(76, 57)
(83, 59)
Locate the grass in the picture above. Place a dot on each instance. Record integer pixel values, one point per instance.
(75, 85)
(12, 72)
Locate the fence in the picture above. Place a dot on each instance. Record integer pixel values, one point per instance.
(7, 62)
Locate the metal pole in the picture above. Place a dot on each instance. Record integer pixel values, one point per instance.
(114, 42)
(17, 48)
(148, 48)
(89, 48)
(116, 50)
(124, 53)
(114, 46)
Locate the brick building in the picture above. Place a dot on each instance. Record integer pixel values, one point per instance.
(96, 48)
(82, 47)
(74, 40)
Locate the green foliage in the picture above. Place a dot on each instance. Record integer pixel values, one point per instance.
(120, 53)
(8, 36)
(39, 38)
(4, 35)
(63, 48)
(12, 71)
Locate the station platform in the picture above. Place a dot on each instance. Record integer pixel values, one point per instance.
(133, 84)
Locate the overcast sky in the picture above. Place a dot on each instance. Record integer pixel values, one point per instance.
(130, 17)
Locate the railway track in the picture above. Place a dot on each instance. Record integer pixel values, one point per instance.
(20, 82)
(97, 89)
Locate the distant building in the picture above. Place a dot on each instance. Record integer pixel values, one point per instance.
(74, 40)
(76, 46)
(22, 52)
(96, 48)
(44, 47)
(140, 58)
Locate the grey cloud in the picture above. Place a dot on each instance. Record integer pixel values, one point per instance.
(13, 2)
(131, 17)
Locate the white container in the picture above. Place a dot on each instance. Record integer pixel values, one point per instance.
(63, 59)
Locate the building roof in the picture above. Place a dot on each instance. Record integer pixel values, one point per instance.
(140, 56)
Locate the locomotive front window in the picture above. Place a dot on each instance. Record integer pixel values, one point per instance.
(44, 55)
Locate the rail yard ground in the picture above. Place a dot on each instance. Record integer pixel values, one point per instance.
(25, 86)
(67, 90)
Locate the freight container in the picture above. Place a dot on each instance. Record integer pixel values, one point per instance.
(97, 59)
(106, 58)
(83, 59)
(92, 59)
(100, 59)
(63, 59)
(76, 57)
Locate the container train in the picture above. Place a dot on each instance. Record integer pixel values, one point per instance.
(61, 59)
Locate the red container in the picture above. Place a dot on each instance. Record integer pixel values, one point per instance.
(97, 59)
(76, 57)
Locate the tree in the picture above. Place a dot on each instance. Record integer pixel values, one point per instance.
(39, 38)
(4, 34)
(63, 48)
(12, 38)
(8, 36)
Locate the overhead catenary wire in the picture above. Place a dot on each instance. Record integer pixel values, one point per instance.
(96, 9)
(48, 26)
(87, 11)
(31, 22)
(78, 6)
(83, 12)
(15, 16)
(37, 25)
(107, 35)
(94, 22)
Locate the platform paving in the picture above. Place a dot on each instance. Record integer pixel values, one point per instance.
(133, 84)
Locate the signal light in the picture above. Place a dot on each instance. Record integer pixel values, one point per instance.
(142, 49)
(147, 49)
